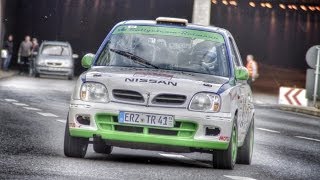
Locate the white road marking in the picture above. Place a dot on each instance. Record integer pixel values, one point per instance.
(20, 104)
(173, 156)
(268, 130)
(312, 139)
(184, 159)
(47, 114)
(238, 177)
(61, 120)
(32, 108)
(10, 100)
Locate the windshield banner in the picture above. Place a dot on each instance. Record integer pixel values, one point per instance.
(169, 31)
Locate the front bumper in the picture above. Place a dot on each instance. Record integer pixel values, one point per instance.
(189, 129)
(64, 71)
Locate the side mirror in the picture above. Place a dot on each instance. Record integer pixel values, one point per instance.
(241, 73)
(75, 56)
(87, 60)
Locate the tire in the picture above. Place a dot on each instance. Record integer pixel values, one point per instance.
(70, 77)
(226, 159)
(36, 74)
(246, 150)
(101, 147)
(74, 146)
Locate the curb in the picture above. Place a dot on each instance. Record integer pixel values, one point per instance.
(266, 106)
(303, 110)
(7, 75)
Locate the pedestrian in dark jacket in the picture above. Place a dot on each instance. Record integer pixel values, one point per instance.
(24, 54)
(35, 46)
(34, 52)
(8, 45)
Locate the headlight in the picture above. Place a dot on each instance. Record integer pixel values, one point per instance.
(41, 62)
(94, 92)
(68, 64)
(207, 102)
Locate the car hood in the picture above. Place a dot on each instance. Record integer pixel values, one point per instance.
(53, 58)
(152, 82)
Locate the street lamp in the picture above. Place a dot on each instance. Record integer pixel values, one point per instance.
(282, 6)
(268, 5)
(303, 7)
(312, 8)
(252, 4)
(225, 2)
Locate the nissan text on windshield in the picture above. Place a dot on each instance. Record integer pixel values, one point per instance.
(164, 85)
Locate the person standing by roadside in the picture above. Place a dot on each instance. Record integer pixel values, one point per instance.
(35, 46)
(8, 45)
(252, 67)
(24, 54)
(34, 52)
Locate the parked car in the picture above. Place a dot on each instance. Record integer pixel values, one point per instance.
(164, 85)
(55, 58)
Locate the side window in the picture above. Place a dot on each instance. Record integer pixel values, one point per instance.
(235, 53)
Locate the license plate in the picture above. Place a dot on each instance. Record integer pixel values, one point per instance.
(53, 69)
(146, 119)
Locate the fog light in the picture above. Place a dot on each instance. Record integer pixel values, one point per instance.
(83, 119)
(212, 131)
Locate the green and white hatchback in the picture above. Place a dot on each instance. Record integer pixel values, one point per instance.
(164, 85)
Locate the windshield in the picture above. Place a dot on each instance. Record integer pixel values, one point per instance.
(55, 50)
(166, 48)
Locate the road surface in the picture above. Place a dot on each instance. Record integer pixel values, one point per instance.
(33, 114)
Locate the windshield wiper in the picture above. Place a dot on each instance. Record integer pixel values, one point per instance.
(134, 58)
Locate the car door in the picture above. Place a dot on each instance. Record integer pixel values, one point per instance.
(245, 96)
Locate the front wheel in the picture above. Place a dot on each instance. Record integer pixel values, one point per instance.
(74, 146)
(226, 159)
(246, 150)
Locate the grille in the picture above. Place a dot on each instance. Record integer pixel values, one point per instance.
(169, 99)
(54, 64)
(108, 122)
(128, 129)
(163, 132)
(127, 95)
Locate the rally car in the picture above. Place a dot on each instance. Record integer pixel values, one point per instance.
(164, 85)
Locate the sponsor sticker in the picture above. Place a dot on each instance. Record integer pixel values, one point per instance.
(72, 125)
(224, 138)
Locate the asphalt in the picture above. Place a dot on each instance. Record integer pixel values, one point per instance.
(33, 113)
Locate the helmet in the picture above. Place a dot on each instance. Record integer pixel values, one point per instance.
(205, 52)
(211, 55)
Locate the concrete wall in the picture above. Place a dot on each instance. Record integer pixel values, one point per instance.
(1, 23)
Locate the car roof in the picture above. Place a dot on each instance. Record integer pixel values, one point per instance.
(56, 43)
(188, 26)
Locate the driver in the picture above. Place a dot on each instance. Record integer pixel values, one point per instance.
(210, 59)
(205, 53)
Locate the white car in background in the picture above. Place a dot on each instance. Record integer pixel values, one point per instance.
(55, 58)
